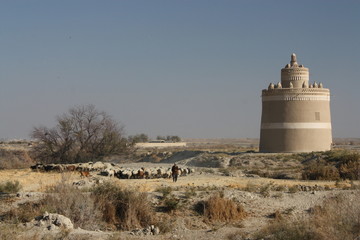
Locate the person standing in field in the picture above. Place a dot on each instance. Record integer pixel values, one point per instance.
(175, 172)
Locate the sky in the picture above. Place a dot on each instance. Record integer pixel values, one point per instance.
(189, 68)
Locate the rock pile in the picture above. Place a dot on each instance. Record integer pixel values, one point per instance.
(52, 221)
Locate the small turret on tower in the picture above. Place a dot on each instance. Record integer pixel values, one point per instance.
(295, 74)
(293, 61)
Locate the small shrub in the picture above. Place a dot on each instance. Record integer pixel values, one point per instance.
(125, 209)
(23, 213)
(164, 190)
(166, 225)
(293, 189)
(265, 190)
(320, 172)
(209, 170)
(280, 188)
(251, 187)
(171, 203)
(190, 193)
(220, 209)
(278, 195)
(225, 171)
(71, 202)
(10, 187)
(277, 215)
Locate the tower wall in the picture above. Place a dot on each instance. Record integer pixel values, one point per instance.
(295, 118)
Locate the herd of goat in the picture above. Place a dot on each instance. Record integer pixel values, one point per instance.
(112, 170)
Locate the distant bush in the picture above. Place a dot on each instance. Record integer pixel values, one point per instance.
(293, 189)
(125, 209)
(333, 165)
(10, 187)
(320, 172)
(220, 209)
(349, 166)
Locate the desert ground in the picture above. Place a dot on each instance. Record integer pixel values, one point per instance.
(233, 171)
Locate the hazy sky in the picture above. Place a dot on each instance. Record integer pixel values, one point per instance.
(189, 68)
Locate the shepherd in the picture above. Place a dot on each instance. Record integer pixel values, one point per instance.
(175, 172)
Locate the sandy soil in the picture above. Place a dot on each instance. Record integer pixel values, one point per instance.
(189, 226)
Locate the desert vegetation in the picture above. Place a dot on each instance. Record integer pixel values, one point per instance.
(337, 218)
(231, 194)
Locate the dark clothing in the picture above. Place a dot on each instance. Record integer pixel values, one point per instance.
(175, 172)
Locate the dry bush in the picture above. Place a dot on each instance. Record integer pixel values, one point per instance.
(320, 172)
(10, 187)
(251, 187)
(10, 232)
(190, 192)
(63, 199)
(125, 209)
(266, 190)
(171, 203)
(220, 209)
(288, 230)
(166, 223)
(338, 218)
(349, 166)
(79, 206)
(164, 190)
(293, 189)
(23, 213)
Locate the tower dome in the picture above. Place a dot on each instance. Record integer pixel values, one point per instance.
(294, 73)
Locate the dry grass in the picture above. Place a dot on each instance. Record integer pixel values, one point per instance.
(63, 199)
(14, 159)
(10, 187)
(220, 209)
(338, 218)
(79, 206)
(122, 208)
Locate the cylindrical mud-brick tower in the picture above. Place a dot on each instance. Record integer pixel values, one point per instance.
(295, 114)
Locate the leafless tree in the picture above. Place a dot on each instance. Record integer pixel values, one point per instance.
(83, 134)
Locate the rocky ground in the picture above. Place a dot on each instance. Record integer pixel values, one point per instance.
(246, 177)
(261, 198)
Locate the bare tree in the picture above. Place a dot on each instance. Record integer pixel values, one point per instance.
(82, 134)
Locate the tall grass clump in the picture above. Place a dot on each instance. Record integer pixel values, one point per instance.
(71, 202)
(10, 187)
(220, 209)
(122, 208)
